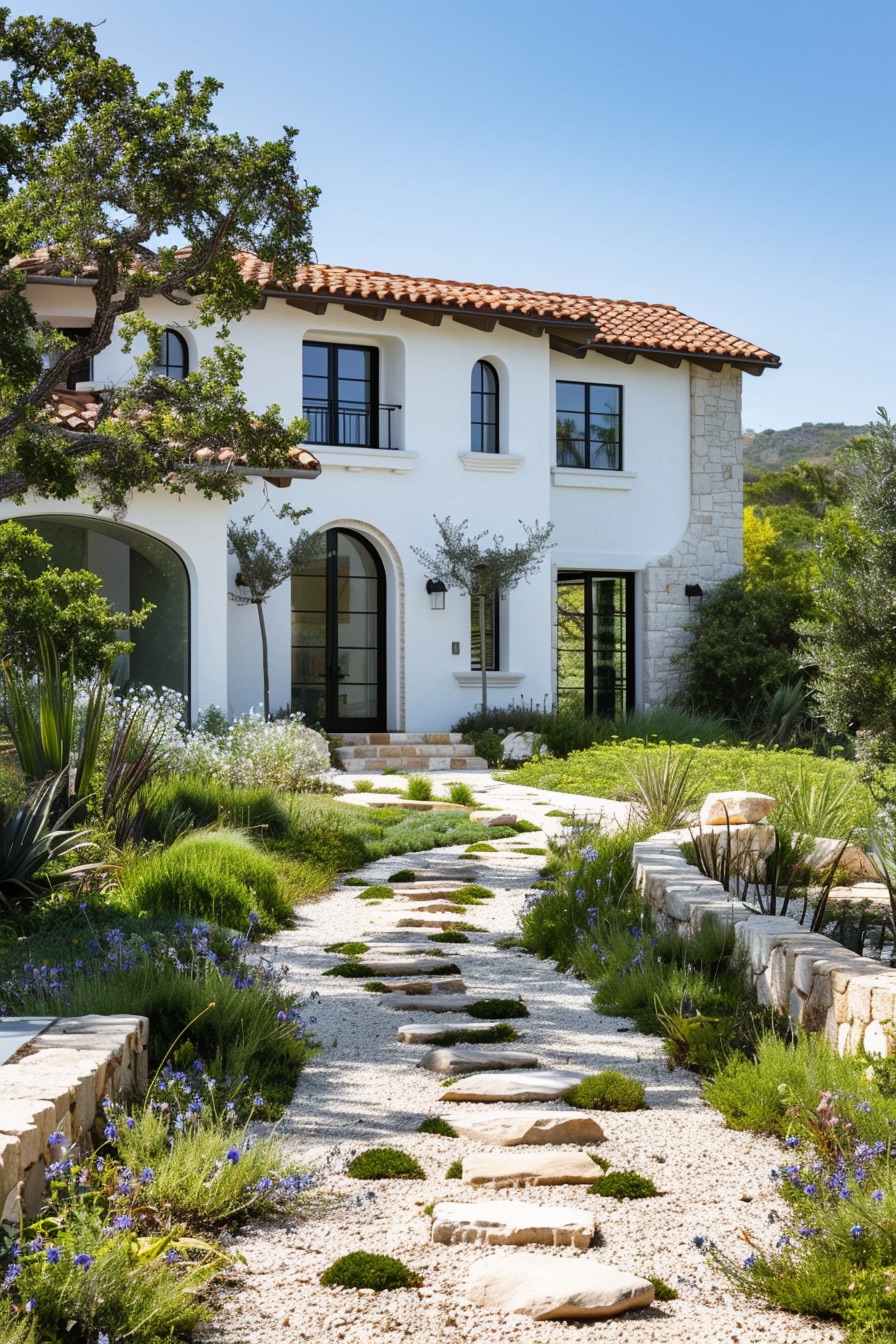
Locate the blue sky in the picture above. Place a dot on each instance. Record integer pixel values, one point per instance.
(736, 161)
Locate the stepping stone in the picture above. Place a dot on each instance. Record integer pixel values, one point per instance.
(507, 1128)
(551, 1289)
(543, 1085)
(444, 985)
(417, 921)
(384, 969)
(509, 1222)
(398, 950)
(559, 1167)
(436, 908)
(429, 1003)
(421, 1033)
(421, 892)
(475, 1059)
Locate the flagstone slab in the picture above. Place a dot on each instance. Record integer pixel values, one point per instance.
(460, 1059)
(444, 985)
(548, 1288)
(428, 1003)
(537, 1085)
(418, 921)
(437, 908)
(559, 1166)
(383, 969)
(509, 1128)
(509, 1222)
(422, 1033)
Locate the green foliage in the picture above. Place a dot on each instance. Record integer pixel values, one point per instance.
(30, 843)
(495, 1009)
(448, 936)
(403, 875)
(624, 1185)
(564, 730)
(483, 847)
(355, 882)
(782, 452)
(434, 1124)
(500, 1033)
(471, 894)
(97, 172)
(376, 893)
(488, 746)
(385, 1164)
(455, 1171)
(523, 827)
(356, 970)
(607, 1091)
(661, 1290)
(219, 876)
(662, 792)
(189, 802)
(347, 949)
(361, 1269)
(528, 849)
(66, 606)
(377, 987)
(363, 786)
(603, 772)
(419, 788)
(462, 794)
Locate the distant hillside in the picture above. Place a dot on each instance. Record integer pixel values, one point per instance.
(782, 447)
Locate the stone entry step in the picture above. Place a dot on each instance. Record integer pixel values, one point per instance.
(546, 1166)
(406, 751)
(510, 1222)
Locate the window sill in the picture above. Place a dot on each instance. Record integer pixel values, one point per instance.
(394, 460)
(497, 679)
(593, 478)
(490, 461)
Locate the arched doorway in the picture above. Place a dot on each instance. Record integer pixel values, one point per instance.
(134, 567)
(339, 636)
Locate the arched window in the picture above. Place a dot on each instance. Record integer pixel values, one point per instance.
(175, 360)
(484, 408)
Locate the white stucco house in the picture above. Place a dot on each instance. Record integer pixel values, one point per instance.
(618, 421)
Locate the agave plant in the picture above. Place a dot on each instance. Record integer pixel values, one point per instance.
(662, 794)
(29, 840)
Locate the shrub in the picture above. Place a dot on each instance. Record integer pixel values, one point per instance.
(455, 1172)
(471, 894)
(462, 794)
(377, 892)
(483, 847)
(493, 1009)
(347, 949)
(500, 1032)
(179, 803)
(624, 1185)
(448, 936)
(488, 746)
(403, 875)
(377, 987)
(355, 882)
(361, 1269)
(434, 1124)
(281, 754)
(363, 786)
(217, 876)
(419, 788)
(385, 1164)
(607, 1091)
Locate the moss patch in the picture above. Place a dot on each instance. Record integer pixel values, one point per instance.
(608, 1091)
(483, 847)
(376, 987)
(661, 1290)
(434, 1124)
(493, 1009)
(403, 875)
(385, 1164)
(347, 949)
(455, 1171)
(624, 1185)
(449, 936)
(361, 1269)
(496, 1035)
(376, 893)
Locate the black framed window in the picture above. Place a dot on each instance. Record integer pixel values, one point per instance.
(175, 360)
(82, 372)
(484, 408)
(596, 642)
(492, 635)
(589, 426)
(340, 393)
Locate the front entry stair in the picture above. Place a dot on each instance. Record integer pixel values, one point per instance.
(406, 751)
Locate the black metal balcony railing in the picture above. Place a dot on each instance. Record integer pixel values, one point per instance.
(350, 424)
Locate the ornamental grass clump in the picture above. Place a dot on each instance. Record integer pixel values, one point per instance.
(494, 1009)
(434, 1124)
(455, 1171)
(184, 803)
(419, 788)
(607, 1091)
(378, 892)
(361, 1269)
(385, 1164)
(624, 1185)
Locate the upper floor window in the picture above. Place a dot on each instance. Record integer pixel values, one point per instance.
(484, 409)
(340, 394)
(174, 361)
(490, 634)
(82, 372)
(589, 426)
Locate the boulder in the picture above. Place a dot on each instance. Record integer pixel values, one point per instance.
(509, 1222)
(460, 1059)
(736, 806)
(853, 859)
(518, 746)
(559, 1166)
(507, 1128)
(502, 819)
(551, 1289)
(422, 1033)
(533, 1085)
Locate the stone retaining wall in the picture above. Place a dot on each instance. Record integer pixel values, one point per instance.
(821, 986)
(59, 1088)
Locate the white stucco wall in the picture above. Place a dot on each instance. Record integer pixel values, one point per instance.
(642, 520)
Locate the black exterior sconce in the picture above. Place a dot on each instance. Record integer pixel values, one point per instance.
(437, 591)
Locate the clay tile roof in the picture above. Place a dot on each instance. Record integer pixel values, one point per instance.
(79, 410)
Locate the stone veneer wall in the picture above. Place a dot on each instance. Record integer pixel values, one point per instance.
(822, 986)
(59, 1088)
(712, 546)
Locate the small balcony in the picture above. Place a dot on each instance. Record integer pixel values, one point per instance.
(352, 424)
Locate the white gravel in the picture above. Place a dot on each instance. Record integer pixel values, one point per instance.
(363, 1090)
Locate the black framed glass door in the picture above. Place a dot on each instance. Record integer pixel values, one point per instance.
(596, 642)
(338, 637)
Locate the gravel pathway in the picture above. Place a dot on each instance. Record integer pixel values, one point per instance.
(363, 1090)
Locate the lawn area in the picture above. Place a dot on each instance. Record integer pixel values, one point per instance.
(605, 771)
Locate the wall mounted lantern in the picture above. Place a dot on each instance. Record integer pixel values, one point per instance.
(437, 591)
(692, 590)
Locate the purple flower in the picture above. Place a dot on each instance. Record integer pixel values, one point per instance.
(856, 1231)
(233, 1155)
(56, 1140)
(83, 1261)
(122, 1222)
(171, 1257)
(750, 1261)
(793, 1142)
(31, 1304)
(878, 1196)
(53, 1254)
(131, 1122)
(111, 1132)
(258, 1100)
(147, 1175)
